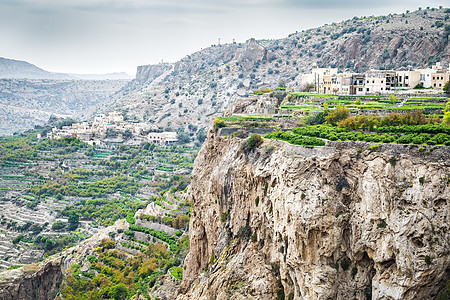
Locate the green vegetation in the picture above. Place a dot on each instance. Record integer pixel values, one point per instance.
(429, 134)
(294, 138)
(177, 272)
(120, 276)
(254, 141)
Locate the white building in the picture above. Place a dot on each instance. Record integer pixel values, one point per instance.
(162, 138)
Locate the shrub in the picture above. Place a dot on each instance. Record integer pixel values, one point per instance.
(253, 237)
(17, 239)
(393, 161)
(382, 224)
(218, 123)
(345, 263)
(374, 147)
(224, 216)
(130, 219)
(257, 200)
(421, 180)
(58, 225)
(428, 260)
(245, 232)
(340, 113)
(254, 141)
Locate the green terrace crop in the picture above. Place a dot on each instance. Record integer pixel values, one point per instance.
(398, 135)
(308, 102)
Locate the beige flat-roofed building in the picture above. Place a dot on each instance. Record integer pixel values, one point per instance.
(438, 80)
(407, 79)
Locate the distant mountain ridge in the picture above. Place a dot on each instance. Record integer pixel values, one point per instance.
(108, 76)
(18, 69)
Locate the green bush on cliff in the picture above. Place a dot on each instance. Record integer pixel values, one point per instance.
(254, 141)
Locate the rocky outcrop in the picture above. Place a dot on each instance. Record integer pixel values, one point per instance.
(253, 52)
(35, 281)
(334, 222)
(150, 72)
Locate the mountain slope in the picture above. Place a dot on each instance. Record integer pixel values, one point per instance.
(201, 85)
(10, 68)
(25, 103)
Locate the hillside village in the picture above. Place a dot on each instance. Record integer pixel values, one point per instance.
(330, 80)
(111, 129)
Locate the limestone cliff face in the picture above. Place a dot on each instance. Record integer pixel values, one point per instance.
(150, 72)
(35, 281)
(334, 222)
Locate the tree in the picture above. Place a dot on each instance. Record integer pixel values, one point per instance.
(447, 113)
(118, 292)
(127, 133)
(183, 138)
(309, 87)
(58, 225)
(74, 220)
(392, 98)
(218, 123)
(446, 87)
(340, 113)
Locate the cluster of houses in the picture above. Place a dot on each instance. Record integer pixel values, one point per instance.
(113, 129)
(330, 81)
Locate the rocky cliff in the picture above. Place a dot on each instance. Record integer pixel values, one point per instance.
(334, 222)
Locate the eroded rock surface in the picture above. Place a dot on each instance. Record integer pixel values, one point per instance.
(335, 222)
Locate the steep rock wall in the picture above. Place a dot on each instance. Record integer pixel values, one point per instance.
(339, 222)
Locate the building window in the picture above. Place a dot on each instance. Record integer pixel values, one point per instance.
(381, 81)
(367, 89)
(360, 89)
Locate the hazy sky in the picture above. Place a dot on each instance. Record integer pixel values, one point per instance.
(101, 36)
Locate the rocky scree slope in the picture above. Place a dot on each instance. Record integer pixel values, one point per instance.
(201, 85)
(334, 222)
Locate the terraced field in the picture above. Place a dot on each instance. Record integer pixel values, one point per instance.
(56, 193)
